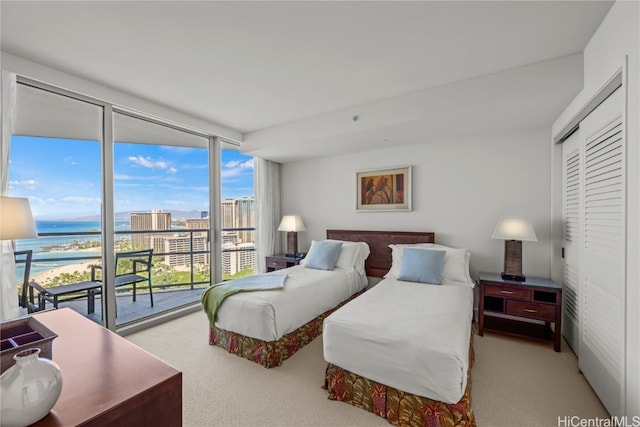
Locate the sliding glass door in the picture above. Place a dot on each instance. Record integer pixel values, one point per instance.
(161, 203)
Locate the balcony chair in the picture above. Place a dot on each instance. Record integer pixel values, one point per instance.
(26, 299)
(141, 263)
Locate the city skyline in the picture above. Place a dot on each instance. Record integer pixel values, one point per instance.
(61, 177)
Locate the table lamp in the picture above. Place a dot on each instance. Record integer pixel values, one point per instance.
(16, 222)
(291, 224)
(513, 230)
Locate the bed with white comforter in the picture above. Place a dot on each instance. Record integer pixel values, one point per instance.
(269, 326)
(307, 293)
(410, 336)
(403, 349)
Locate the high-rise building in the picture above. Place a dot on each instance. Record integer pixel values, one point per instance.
(238, 247)
(245, 218)
(228, 213)
(197, 223)
(237, 257)
(239, 213)
(154, 220)
(179, 250)
(229, 238)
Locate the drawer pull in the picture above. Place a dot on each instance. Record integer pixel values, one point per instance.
(530, 310)
(506, 292)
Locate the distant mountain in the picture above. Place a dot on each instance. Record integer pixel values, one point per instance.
(125, 216)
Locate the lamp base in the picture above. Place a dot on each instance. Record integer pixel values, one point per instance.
(513, 261)
(513, 277)
(292, 244)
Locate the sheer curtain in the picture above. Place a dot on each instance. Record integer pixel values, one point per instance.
(8, 282)
(267, 189)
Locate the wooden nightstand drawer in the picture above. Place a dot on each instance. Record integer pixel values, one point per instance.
(507, 291)
(276, 264)
(531, 310)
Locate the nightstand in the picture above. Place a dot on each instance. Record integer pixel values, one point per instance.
(278, 262)
(536, 298)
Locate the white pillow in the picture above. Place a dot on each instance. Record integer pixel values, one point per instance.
(352, 256)
(455, 266)
(347, 257)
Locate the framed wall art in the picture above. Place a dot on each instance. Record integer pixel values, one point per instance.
(384, 190)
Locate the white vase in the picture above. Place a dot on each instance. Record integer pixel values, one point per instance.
(30, 388)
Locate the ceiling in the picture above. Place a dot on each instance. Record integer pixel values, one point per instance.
(291, 76)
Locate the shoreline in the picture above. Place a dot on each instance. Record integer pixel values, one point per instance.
(62, 251)
(46, 277)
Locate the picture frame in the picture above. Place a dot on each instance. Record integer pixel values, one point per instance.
(383, 190)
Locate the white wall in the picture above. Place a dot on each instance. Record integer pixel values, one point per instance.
(460, 189)
(615, 46)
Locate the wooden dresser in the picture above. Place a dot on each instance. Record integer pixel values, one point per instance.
(106, 380)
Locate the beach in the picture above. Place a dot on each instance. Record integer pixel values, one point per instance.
(46, 277)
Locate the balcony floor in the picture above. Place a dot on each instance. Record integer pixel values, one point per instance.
(129, 311)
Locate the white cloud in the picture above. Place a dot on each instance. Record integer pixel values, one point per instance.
(174, 202)
(149, 163)
(30, 184)
(234, 168)
(238, 164)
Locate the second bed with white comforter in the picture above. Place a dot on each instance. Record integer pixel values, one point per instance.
(410, 336)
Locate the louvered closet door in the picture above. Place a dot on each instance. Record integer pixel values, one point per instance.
(602, 337)
(571, 238)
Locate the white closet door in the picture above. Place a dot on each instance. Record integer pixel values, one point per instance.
(571, 238)
(602, 310)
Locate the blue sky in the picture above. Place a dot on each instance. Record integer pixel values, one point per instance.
(61, 177)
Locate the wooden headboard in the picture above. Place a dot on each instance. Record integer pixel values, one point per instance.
(379, 261)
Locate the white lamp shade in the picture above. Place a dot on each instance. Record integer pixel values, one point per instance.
(291, 223)
(16, 220)
(514, 228)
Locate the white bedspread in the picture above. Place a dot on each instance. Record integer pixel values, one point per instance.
(307, 293)
(410, 336)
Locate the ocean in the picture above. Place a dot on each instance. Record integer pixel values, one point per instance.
(39, 244)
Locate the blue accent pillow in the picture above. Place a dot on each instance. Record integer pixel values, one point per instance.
(323, 255)
(421, 265)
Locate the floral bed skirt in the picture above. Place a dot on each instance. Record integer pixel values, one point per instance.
(398, 407)
(270, 353)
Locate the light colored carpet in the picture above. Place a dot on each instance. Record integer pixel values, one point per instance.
(515, 383)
